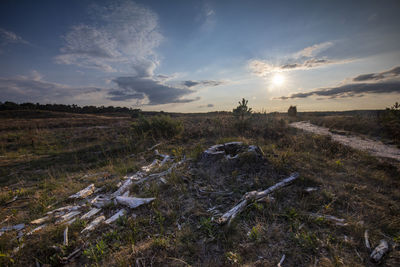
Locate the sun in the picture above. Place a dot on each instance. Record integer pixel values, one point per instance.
(278, 79)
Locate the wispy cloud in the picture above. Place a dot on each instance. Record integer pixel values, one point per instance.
(374, 83)
(312, 51)
(304, 59)
(123, 35)
(392, 73)
(8, 37)
(205, 83)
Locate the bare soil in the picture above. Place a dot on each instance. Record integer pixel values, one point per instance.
(373, 147)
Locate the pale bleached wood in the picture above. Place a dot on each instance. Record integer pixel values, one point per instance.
(366, 239)
(66, 236)
(252, 196)
(378, 253)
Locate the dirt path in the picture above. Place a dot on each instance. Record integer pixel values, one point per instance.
(375, 148)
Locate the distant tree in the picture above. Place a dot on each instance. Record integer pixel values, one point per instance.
(242, 111)
(292, 111)
(242, 114)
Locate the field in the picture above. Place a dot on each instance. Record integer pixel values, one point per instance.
(47, 156)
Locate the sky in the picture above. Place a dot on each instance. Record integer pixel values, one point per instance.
(201, 56)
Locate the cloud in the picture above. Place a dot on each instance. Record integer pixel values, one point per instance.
(7, 37)
(144, 88)
(34, 89)
(207, 18)
(123, 35)
(205, 83)
(302, 60)
(350, 90)
(313, 50)
(374, 83)
(392, 73)
(264, 68)
(206, 106)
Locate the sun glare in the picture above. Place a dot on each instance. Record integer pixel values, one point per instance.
(278, 79)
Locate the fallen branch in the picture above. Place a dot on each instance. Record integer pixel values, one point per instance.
(337, 221)
(66, 236)
(252, 196)
(281, 261)
(133, 202)
(115, 217)
(366, 238)
(94, 223)
(84, 192)
(378, 253)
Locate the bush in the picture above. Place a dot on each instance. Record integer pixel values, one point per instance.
(390, 120)
(242, 114)
(159, 126)
(292, 111)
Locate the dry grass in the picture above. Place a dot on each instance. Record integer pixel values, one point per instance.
(178, 229)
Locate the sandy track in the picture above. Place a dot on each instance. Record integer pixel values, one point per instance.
(375, 148)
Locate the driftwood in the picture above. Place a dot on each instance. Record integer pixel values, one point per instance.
(133, 202)
(68, 216)
(66, 236)
(124, 187)
(90, 213)
(84, 192)
(366, 240)
(93, 224)
(161, 174)
(74, 254)
(63, 209)
(37, 229)
(101, 201)
(14, 227)
(281, 261)
(253, 196)
(115, 217)
(337, 221)
(40, 220)
(378, 253)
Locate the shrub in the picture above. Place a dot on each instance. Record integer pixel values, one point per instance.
(158, 126)
(292, 111)
(242, 114)
(390, 120)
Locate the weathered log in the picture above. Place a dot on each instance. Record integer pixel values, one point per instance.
(378, 253)
(366, 240)
(281, 261)
(13, 227)
(124, 187)
(66, 208)
(84, 192)
(101, 201)
(68, 216)
(151, 166)
(94, 223)
(66, 236)
(115, 217)
(37, 229)
(252, 196)
(337, 221)
(90, 213)
(133, 202)
(40, 220)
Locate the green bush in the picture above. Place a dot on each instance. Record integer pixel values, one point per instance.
(159, 126)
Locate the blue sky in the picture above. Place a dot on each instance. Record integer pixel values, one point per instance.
(199, 56)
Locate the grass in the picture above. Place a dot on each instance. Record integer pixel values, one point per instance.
(178, 228)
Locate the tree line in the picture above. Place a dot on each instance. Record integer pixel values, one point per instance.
(67, 108)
